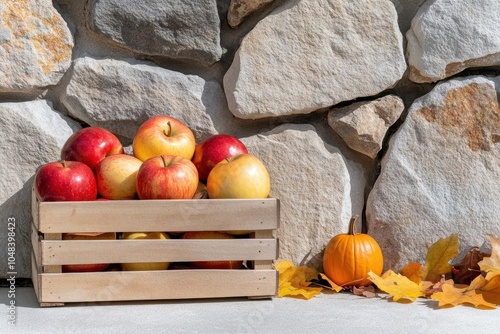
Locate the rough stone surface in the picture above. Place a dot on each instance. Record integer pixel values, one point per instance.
(240, 9)
(286, 65)
(32, 135)
(120, 96)
(35, 45)
(181, 29)
(448, 36)
(316, 190)
(363, 125)
(440, 174)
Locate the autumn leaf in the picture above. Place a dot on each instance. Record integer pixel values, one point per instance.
(492, 263)
(468, 269)
(480, 293)
(438, 287)
(398, 286)
(438, 257)
(326, 283)
(365, 291)
(295, 281)
(413, 271)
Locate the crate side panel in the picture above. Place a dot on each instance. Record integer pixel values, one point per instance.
(155, 285)
(158, 215)
(173, 250)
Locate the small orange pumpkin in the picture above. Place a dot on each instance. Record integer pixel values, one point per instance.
(348, 258)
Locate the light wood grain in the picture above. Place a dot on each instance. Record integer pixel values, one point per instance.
(173, 250)
(158, 215)
(154, 285)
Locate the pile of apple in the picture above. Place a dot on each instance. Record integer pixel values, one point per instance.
(166, 164)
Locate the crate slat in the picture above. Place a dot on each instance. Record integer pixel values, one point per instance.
(155, 285)
(172, 250)
(156, 215)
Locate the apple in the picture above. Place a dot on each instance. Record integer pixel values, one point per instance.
(145, 265)
(163, 135)
(87, 236)
(116, 176)
(167, 177)
(212, 264)
(239, 176)
(214, 149)
(65, 181)
(91, 145)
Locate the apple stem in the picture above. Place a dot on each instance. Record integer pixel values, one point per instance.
(169, 132)
(164, 162)
(63, 162)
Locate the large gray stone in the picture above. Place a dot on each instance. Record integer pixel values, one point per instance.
(440, 173)
(32, 135)
(448, 36)
(181, 29)
(35, 46)
(120, 96)
(319, 190)
(287, 65)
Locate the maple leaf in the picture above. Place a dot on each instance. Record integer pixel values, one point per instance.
(480, 293)
(468, 269)
(413, 271)
(398, 286)
(295, 281)
(492, 263)
(438, 257)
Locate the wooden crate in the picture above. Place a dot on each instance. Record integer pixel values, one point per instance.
(54, 287)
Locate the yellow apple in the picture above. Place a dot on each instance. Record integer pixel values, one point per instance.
(163, 135)
(116, 176)
(87, 236)
(145, 265)
(239, 176)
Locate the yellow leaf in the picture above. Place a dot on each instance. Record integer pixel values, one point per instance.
(480, 293)
(397, 286)
(413, 271)
(492, 263)
(294, 281)
(334, 286)
(438, 257)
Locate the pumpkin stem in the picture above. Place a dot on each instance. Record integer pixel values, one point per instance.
(352, 224)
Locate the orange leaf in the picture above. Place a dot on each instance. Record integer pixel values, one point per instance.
(492, 263)
(397, 285)
(413, 271)
(333, 286)
(481, 293)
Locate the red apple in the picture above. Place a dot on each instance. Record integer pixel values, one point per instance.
(212, 264)
(65, 181)
(239, 176)
(116, 176)
(87, 236)
(91, 145)
(145, 265)
(214, 149)
(167, 177)
(163, 135)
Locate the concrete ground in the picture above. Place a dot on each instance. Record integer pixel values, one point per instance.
(326, 313)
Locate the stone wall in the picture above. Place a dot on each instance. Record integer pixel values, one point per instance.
(386, 109)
